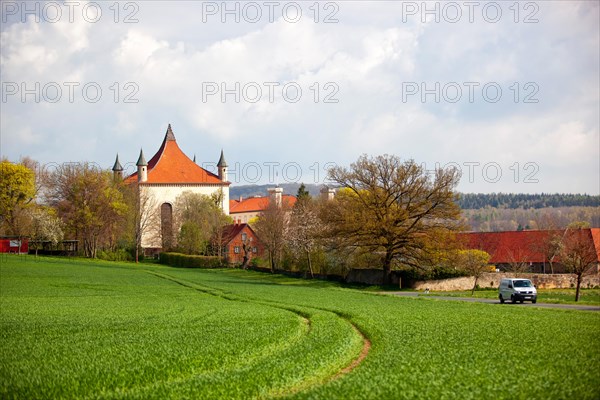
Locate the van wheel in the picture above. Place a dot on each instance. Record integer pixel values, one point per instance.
(533, 301)
(521, 301)
(513, 299)
(501, 299)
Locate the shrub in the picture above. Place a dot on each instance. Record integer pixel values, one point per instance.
(117, 255)
(190, 261)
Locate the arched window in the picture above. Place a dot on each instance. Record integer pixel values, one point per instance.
(166, 225)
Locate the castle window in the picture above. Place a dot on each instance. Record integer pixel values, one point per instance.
(236, 249)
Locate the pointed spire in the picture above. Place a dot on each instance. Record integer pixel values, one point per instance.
(142, 160)
(169, 135)
(222, 162)
(117, 167)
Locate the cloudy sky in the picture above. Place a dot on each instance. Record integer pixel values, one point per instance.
(507, 92)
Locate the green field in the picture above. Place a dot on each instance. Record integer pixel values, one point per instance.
(81, 329)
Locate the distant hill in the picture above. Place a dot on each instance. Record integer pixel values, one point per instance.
(467, 201)
(261, 190)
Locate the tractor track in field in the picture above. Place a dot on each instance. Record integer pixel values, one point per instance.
(307, 385)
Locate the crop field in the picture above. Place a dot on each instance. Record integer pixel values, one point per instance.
(83, 329)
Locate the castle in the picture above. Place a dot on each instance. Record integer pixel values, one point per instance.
(163, 179)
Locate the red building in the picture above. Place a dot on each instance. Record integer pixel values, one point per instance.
(14, 245)
(532, 250)
(241, 244)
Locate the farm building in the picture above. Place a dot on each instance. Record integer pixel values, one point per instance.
(530, 250)
(240, 244)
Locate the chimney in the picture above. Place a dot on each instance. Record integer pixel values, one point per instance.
(240, 199)
(327, 193)
(276, 194)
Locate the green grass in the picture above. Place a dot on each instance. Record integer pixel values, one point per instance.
(74, 329)
(554, 296)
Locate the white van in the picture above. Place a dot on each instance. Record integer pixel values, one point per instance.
(517, 289)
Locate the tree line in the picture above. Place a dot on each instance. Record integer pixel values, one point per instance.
(388, 212)
(469, 201)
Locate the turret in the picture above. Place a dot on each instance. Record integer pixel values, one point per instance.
(142, 167)
(117, 170)
(276, 194)
(327, 193)
(222, 168)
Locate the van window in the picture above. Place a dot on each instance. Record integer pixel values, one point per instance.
(523, 283)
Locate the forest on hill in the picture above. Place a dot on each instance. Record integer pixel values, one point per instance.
(492, 212)
(467, 201)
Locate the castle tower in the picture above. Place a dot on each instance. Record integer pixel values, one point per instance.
(276, 194)
(222, 168)
(117, 170)
(327, 193)
(142, 166)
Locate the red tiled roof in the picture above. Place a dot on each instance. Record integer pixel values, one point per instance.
(171, 165)
(255, 204)
(518, 246)
(595, 232)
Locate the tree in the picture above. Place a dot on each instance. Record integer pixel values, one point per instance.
(89, 203)
(304, 228)
(475, 263)
(578, 254)
(17, 190)
(144, 214)
(302, 193)
(200, 219)
(392, 207)
(46, 226)
(271, 229)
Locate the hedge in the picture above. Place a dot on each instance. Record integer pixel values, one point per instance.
(188, 261)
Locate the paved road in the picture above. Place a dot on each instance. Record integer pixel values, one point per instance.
(496, 301)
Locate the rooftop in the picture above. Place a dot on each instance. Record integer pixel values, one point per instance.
(171, 165)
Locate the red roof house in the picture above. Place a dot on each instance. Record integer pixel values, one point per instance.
(241, 244)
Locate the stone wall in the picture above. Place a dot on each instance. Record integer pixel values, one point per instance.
(492, 280)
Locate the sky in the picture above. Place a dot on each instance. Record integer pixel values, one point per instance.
(506, 91)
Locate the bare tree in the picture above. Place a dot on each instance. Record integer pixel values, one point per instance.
(304, 229)
(518, 261)
(578, 254)
(474, 262)
(393, 207)
(144, 215)
(271, 229)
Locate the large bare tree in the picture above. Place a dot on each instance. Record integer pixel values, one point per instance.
(392, 207)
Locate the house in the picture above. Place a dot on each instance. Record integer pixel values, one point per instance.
(240, 244)
(244, 210)
(163, 179)
(529, 251)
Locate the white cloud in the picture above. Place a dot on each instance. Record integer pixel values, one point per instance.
(369, 54)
